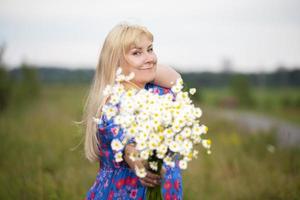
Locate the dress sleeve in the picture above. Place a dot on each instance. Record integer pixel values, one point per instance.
(157, 89)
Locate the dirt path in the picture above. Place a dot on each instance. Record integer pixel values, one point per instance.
(287, 134)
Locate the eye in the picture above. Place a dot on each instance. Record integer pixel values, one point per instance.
(136, 53)
(150, 50)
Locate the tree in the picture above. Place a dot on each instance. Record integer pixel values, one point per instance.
(29, 83)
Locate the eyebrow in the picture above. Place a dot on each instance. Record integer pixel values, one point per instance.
(141, 47)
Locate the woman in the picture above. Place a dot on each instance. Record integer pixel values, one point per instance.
(130, 47)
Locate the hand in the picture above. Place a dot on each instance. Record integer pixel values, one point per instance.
(151, 179)
(162, 171)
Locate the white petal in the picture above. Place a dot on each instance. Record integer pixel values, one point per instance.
(119, 71)
(192, 91)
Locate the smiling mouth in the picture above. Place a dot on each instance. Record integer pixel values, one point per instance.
(146, 68)
(143, 68)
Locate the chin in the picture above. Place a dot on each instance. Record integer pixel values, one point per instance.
(147, 75)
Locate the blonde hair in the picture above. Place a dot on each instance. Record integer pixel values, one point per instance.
(118, 41)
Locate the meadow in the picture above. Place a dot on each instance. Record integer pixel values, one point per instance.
(282, 102)
(41, 154)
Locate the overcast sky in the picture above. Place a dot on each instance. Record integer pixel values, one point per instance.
(193, 35)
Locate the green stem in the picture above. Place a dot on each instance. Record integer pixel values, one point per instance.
(154, 193)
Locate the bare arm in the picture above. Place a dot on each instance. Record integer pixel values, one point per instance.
(165, 76)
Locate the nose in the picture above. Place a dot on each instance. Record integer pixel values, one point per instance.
(150, 58)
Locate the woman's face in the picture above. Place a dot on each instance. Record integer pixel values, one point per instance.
(141, 60)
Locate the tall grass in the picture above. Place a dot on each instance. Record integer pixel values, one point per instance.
(36, 157)
(243, 166)
(37, 160)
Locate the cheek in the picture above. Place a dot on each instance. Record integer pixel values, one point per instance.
(136, 61)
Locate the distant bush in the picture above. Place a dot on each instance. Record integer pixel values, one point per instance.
(29, 83)
(241, 90)
(18, 91)
(27, 87)
(5, 88)
(290, 102)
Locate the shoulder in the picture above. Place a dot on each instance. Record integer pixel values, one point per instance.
(157, 88)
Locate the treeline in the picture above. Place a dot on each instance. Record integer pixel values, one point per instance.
(281, 77)
(54, 75)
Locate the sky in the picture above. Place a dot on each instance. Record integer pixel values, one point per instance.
(190, 35)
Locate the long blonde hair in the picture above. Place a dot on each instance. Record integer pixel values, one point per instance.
(117, 43)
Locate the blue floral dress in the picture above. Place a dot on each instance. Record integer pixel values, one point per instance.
(116, 181)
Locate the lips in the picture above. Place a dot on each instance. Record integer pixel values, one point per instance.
(143, 68)
(146, 68)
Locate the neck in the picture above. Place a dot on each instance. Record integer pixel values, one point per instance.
(130, 84)
(140, 85)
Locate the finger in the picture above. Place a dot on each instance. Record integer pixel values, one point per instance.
(146, 184)
(153, 181)
(150, 180)
(152, 175)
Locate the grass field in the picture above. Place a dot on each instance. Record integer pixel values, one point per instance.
(38, 160)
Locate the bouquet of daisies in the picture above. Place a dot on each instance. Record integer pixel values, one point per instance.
(165, 128)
